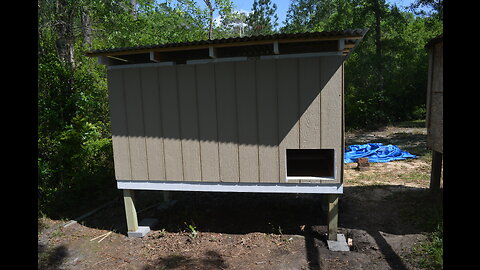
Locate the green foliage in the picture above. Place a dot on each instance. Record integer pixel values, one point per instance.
(263, 19)
(429, 254)
(382, 84)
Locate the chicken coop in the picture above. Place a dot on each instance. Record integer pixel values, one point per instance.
(250, 114)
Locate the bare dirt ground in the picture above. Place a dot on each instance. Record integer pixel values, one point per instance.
(382, 210)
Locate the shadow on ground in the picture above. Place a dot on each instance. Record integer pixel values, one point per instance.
(397, 210)
(51, 258)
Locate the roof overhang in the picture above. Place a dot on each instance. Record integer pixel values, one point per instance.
(340, 43)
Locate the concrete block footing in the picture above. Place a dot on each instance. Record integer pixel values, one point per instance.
(144, 227)
(140, 232)
(339, 245)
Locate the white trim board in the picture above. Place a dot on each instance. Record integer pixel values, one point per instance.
(231, 187)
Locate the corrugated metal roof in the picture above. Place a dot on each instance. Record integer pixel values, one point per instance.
(354, 33)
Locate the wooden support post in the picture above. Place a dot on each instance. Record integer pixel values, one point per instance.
(275, 48)
(212, 52)
(332, 218)
(436, 171)
(155, 57)
(130, 212)
(166, 196)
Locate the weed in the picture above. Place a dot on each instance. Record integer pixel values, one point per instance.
(192, 229)
(277, 229)
(430, 253)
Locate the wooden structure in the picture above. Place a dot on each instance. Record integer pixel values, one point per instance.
(252, 114)
(435, 108)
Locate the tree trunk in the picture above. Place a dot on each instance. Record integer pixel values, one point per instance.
(133, 11)
(210, 32)
(64, 28)
(86, 26)
(378, 41)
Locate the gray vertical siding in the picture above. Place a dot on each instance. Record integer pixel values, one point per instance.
(435, 98)
(169, 108)
(207, 122)
(247, 121)
(118, 116)
(224, 122)
(135, 122)
(227, 121)
(331, 102)
(289, 112)
(187, 93)
(267, 108)
(153, 124)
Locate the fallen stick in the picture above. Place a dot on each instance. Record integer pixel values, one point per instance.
(104, 237)
(98, 236)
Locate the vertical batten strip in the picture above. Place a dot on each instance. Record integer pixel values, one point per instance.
(171, 128)
(207, 117)
(247, 121)
(235, 94)
(227, 127)
(153, 124)
(179, 112)
(257, 116)
(268, 131)
(198, 120)
(136, 132)
(188, 123)
(287, 112)
(278, 118)
(162, 128)
(320, 90)
(142, 105)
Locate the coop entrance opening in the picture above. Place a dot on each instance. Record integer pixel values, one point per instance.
(310, 163)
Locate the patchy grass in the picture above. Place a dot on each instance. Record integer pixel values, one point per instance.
(427, 215)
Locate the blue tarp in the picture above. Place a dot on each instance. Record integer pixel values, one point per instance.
(375, 152)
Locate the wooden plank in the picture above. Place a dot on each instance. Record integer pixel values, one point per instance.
(212, 52)
(309, 103)
(435, 125)
(187, 94)
(227, 121)
(267, 121)
(136, 131)
(288, 111)
(153, 123)
(171, 128)
(332, 217)
(121, 151)
(275, 48)
(130, 211)
(331, 108)
(247, 121)
(155, 57)
(207, 117)
(436, 170)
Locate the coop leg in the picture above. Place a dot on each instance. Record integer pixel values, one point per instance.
(332, 216)
(166, 196)
(130, 212)
(436, 170)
